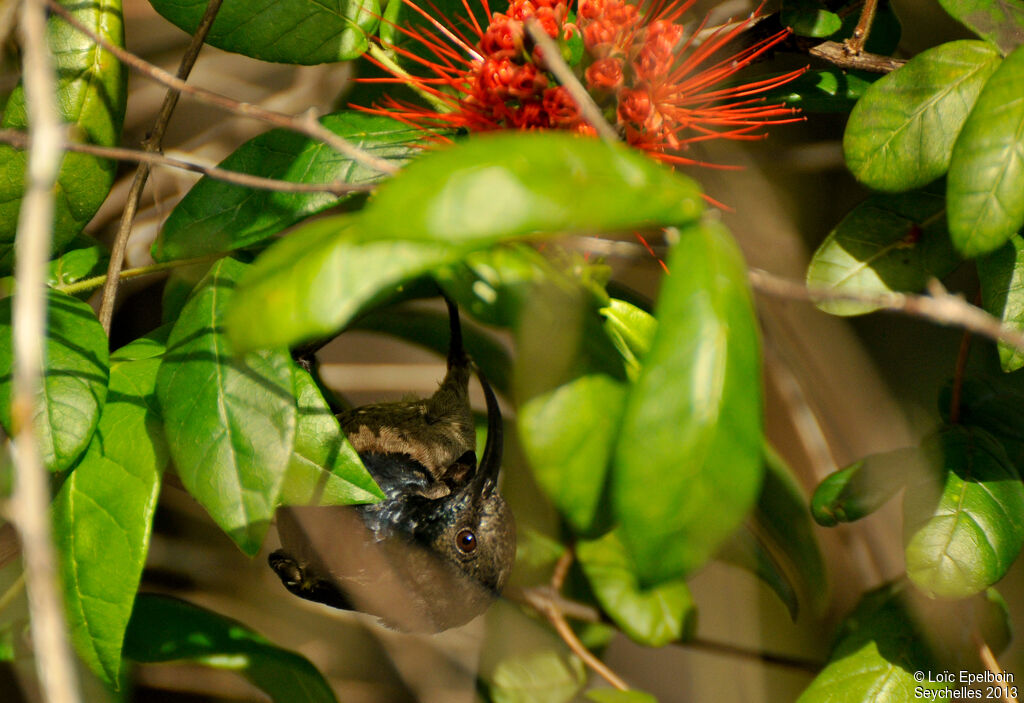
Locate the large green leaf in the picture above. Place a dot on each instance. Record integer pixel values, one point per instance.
(688, 461)
(1002, 294)
(314, 281)
(654, 616)
(866, 485)
(879, 656)
(104, 511)
(964, 521)
(777, 541)
(230, 419)
(164, 629)
(75, 373)
(539, 676)
(215, 216)
(91, 98)
(809, 18)
(288, 31)
(502, 185)
(324, 468)
(985, 188)
(568, 435)
(999, 21)
(887, 243)
(900, 134)
(612, 695)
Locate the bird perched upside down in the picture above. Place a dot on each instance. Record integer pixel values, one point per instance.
(439, 547)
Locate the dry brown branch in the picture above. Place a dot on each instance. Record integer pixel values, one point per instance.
(855, 44)
(30, 499)
(304, 124)
(151, 158)
(838, 54)
(939, 306)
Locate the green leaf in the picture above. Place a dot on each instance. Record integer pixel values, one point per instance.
(993, 407)
(324, 468)
(631, 330)
(877, 654)
(1002, 294)
(215, 216)
(900, 134)
(999, 21)
(313, 282)
(777, 541)
(540, 676)
(655, 616)
(888, 243)
(429, 329)
(104, 511)
(287, 31)
(75, 374)
(611, 695)
(165, 629)
(91, 97)
(502, 185)
(230, 419)
(568, 435)
(866, 485)
(78, 263)
(964, 522)
(688, 461)
(807, 18)
(985, 188)
(823, 90)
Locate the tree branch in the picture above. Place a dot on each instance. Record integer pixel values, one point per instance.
(30, 501)
(855, 44)
(940, 306)
(838, 54)
(20, 139)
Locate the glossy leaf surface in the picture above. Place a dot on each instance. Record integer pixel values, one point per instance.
(568, 435)
(230, 419)
(999, 21)
(1002, 294)
(900, 134)
(313, 282)
(888, 243)
(823, 90)
(964, 522)
(809, 18)
(878, 651)
(499, 186)
(287, 31)
(215, 216)
(75, 374)
(688, 461)
(91, 100)
(654, 616)
(631, 330)
(985, 188)
(164, 629)
(540, 676)
(324, 468)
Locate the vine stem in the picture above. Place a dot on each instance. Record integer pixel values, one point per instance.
(305, 124)
(988, 658)
(30, 500)
(855, 44)
(87, 284)
(959, 371)
(153, 143)
(20, 139)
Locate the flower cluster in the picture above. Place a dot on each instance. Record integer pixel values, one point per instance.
(659, 86)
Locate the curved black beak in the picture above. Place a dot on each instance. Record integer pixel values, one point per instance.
(486, 479)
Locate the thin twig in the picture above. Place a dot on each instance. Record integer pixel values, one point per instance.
(87, 284)
(959, 371)
(560, 69)
(855, 44)
(988, 658)
(730, 650)
(153, 144)
(20, 139)
(305, 124)
(31, 496)
(837, 53)
(939, 306)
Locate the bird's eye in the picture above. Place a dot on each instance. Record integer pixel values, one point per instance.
(465, 541)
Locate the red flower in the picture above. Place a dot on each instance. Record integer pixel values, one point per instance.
(665, 88)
